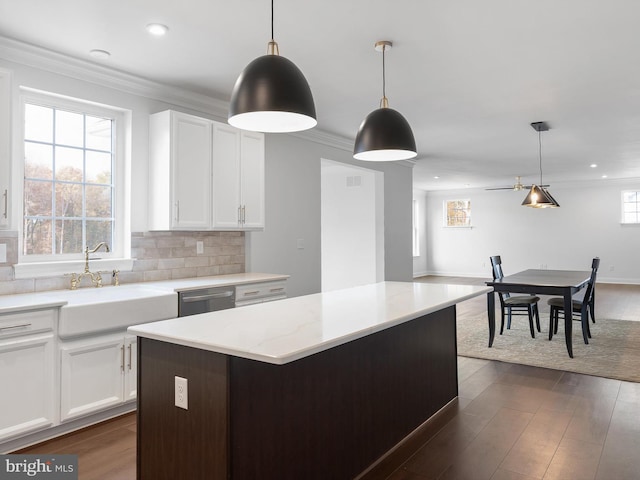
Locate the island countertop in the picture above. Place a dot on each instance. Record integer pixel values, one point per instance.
(287, 330)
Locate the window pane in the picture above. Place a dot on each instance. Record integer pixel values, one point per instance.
(38, 160)
(98, 167)
(99, 231)
(98, 201)
(68, 200)
(69, 128)
(98, 133)
(69, 236)
(37, 237)
(69, 164)
(630, 217)
(630, 196)
(631, 207)
(38, 123)
(37, 198)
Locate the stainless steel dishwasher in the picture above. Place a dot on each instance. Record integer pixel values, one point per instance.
(203, 300)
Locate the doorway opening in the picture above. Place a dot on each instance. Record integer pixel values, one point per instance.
(352, 225)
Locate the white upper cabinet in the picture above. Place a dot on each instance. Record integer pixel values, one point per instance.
(238, 179)
(252, 179)
(204, 175)
(5, 147)
(179, 172)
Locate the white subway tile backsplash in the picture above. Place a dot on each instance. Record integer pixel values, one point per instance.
(157, 256)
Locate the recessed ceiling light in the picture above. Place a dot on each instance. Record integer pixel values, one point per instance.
(100, 54)
(604, 176)
(593, 165)
(436, 177)
(157, 29)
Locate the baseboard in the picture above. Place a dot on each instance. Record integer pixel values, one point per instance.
(42, 436)
(408, 446)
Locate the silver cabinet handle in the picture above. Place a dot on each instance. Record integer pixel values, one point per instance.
(122, 362)
(276, 289)
(177, 215)
(129, 364)
(244, 214)
(255, 292)
(6, 203)
(239, 215)
(196, 298)
(10, 327)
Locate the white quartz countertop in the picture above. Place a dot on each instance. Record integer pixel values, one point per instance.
(290, 329)
(24, 302)
(57, 298)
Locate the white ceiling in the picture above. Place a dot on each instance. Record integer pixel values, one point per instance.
(469, 76)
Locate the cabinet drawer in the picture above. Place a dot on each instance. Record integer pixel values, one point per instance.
(264, 290)
(26, 323)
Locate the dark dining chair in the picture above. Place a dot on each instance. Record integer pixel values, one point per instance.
(581, 307)
(515, 304)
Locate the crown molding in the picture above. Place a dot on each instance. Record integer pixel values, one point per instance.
(49, 60)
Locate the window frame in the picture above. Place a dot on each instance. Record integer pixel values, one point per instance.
(416, 228)
(622, 209)
(445, 208)
(119, 256)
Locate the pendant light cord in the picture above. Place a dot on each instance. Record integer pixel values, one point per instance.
(272, 38)
(384, 76)
(540, 155)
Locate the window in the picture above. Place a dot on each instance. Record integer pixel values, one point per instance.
(73, 190)
(631, 207)
(457, 213)
(416, 230)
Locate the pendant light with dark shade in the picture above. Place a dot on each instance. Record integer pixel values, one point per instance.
(384, 134)
(538, 196)
(272, 95)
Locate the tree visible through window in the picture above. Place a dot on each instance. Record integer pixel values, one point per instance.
(631, 207)
(458, 213)
(68, 180)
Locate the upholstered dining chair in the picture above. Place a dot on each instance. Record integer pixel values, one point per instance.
(515, 304)
(581, 307)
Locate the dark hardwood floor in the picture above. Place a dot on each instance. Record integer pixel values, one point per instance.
(512, 421)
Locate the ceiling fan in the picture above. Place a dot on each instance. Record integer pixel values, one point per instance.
(515, 187)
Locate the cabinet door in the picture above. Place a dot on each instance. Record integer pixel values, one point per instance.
(226, 177)
(191, 171)
(91, 375)
(131, 368)
(252, 179)
(5, 149)
(27, 373)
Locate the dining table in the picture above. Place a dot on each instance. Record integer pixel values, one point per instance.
(560, 283)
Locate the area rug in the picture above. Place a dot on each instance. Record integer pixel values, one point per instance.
(613, 350)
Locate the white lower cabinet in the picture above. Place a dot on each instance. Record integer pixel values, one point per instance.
(27, 370)
(252, 293)
(96, 373)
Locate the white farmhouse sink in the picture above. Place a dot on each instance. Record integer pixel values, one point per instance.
(92, 310)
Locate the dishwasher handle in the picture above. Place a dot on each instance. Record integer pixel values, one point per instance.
(209, 296)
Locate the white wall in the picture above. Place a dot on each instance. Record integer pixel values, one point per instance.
(293, 211)
(586, 225)
(420, 265)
